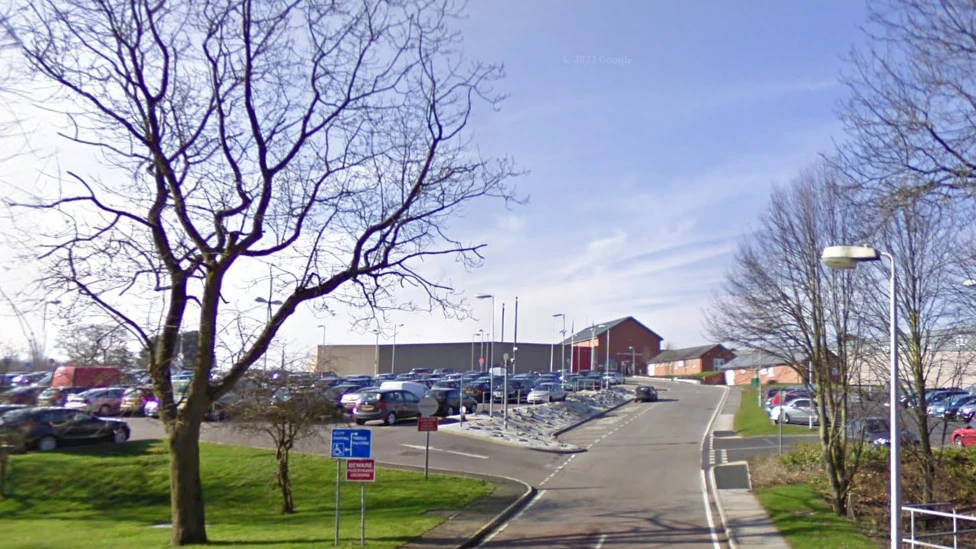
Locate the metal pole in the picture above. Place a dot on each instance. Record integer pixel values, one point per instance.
(562, 349)
(592, 347)
(608, 358)
(780, 425)
(427, 456)
(895, 496)
(338, 499)
(552, 346)
(472, 351)
(376, 353)
(491, 362)
(515, 338)
(362, 513)
(505, 396)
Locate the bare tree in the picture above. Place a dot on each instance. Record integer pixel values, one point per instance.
(285, 414)
(780, 299)
(912, 104)
(325, 139)
(96, 345)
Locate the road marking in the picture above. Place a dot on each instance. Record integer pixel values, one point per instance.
(725, 456)
(599, 544)
(704, 487)
(517, 516)
(432, 449)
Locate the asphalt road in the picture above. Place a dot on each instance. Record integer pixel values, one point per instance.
(638, 485)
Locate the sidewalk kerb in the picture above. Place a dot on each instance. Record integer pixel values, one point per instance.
(729, 534)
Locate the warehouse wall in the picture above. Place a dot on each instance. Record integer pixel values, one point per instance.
(360, 359)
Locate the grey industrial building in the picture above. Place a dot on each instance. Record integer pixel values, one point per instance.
(362, 359)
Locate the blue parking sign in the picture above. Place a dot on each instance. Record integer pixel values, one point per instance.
(352, 444)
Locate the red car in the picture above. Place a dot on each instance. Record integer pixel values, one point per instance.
(964, 436)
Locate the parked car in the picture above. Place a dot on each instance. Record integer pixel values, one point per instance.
(546, 392)
(418, 389)
(4, 408)
(57, 396)
(964, 436)
(21, 395)
(388, 405)
(86, 376)
(49, 428)
(800, 410)
(134, 400)
(449, 402)
(478, 390)
(613, 378)
(645, 393)
(948, 408)
(877, 431)
(103, 402)
(966, 412)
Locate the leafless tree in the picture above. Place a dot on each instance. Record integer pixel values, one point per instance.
(96, 345)
(286, 414)
(922, 239)
(911, 114)
(324, 138)
(779, 298)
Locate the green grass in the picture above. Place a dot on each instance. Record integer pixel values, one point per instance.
(751, 419)
(807, 522)
(108, 496)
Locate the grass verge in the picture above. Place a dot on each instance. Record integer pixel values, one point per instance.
(803, 517)
(113, 495)
(751, 419)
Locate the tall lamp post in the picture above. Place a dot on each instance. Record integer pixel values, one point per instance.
(474, 338)
(562, 346)
(269, 302)
(606, 367)
(393, 351)
(491, 354)
(847, 257)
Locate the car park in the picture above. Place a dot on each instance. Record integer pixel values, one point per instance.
(613, 378)
(449, 402)
(545, 392)
(948, 408)
(134, 400)
(49, 428)
(387, 405)
(57, 396)
(645, 393)
(478, 390)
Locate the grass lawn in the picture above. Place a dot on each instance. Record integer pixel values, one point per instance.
(751, 419)
(111, 495)
(807, 522)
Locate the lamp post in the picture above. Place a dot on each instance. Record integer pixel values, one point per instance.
(633, 362)
(474, 338)
(592, 347)
(393, 351)
(562, 347)
(269, 302)
(606, 367)
(491, 354)
(376, 353)
(847, 257)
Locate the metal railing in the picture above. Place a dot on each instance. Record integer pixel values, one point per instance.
(931, 525)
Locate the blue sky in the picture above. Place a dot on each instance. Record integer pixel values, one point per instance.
(644, 171)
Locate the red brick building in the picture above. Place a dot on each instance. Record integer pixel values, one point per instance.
(748, 365)
(631, 345)
(691, 360)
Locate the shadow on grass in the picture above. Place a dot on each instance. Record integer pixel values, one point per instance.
(123, 450)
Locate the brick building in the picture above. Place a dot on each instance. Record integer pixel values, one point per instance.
(691, 360)
(631, 344)
(769, 368)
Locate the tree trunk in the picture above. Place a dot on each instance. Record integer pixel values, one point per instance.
(186, 490)
(284, 481)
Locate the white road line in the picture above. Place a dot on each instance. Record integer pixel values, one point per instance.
(432, 449)
(725, 456)
(517, 516)
(704, 487)
(599, 544)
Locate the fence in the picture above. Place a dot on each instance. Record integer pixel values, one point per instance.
(932, 526)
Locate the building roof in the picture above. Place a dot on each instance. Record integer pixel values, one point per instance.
(751, 360)
(586, 334)
(688, 353)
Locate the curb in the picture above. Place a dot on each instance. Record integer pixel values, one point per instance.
(729, 533)
(570, 427)
(505, 514)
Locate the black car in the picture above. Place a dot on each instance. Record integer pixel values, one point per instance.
(49, 428)
(449, 401)
(645, 393)
(877, 431)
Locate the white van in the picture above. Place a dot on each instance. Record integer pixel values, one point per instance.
(418, 389)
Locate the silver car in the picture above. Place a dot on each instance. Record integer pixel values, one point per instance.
(800, 410)
(103, 402)
(546, 392)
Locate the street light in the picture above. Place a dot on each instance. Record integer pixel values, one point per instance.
(847, 257)
(606, 367)
(393, 353)
(552, 346)
(376, 353)
(269, 302)
(491, 353)
(481, 334)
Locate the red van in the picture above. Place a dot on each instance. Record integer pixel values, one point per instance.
(86, 376)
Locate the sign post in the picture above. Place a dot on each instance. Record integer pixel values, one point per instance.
(425, 424)
(354, 445)
(361, 471)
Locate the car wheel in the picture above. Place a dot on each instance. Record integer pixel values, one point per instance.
(957, 441)
(391, 418)
(120, 436)
(360, 422)
(46, 444)
(450, 410)
(786, 419)
(105, 410)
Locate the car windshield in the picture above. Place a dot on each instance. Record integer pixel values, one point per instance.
(371, 397)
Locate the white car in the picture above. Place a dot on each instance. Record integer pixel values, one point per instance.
(614, 378)
(800, 410)
(546, 392)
